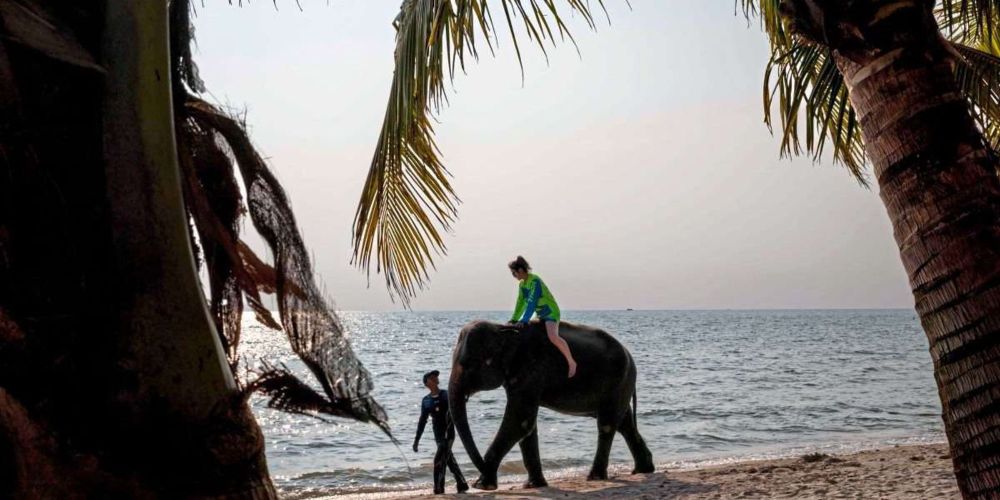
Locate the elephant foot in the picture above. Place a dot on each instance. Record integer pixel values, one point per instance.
(644, 469)
(462, 487)
(485, 484)
(535, 483)
(597, 475)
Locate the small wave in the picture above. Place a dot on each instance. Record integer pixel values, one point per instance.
(707, 440)
(686, 414)
(354, 475)
(321, 444)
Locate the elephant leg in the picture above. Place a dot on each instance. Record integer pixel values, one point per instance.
(532, 460)
(636, 445)
(607, 425)
(518, 421)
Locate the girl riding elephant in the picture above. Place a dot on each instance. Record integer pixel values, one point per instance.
(533, 297)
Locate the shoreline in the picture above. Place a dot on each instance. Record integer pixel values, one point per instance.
(893, 472)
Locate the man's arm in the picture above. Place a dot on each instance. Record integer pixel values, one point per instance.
(424, 412)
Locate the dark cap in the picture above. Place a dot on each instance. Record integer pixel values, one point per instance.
(432, 373)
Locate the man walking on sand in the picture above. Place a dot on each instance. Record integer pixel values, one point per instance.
(435, 405)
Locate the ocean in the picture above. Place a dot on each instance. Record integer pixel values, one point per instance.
(713, 386)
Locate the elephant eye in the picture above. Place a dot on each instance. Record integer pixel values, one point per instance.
(488, 361)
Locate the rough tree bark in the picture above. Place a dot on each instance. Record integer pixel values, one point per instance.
(182, 380)
(113, 382)
(938, 181)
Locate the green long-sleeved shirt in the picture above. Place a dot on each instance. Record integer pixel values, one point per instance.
(534, 297)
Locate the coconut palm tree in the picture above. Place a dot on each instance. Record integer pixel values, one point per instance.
(905, 86)
(117, 379)
(926, 114)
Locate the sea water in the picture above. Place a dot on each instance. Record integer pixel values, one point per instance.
(713, 386)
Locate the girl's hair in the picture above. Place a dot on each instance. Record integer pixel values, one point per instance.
(519, 263)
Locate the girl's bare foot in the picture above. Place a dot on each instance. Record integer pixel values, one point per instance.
(572, 369)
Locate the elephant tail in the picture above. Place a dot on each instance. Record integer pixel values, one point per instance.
(635, 409)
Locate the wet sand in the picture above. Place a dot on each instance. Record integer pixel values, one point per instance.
(902, 472)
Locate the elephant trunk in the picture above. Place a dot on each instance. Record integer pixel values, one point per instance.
(457, 397)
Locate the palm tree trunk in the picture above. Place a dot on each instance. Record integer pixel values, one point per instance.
(182, 381)
(157, 278)
(939, 184)
(113, 383)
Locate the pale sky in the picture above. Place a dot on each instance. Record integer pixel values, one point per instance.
(639, 175)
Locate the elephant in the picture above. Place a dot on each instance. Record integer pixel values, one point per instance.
(533, 373)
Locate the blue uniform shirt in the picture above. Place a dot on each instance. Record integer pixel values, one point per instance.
(435, 407)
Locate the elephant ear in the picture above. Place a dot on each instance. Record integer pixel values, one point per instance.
(459, 344)
(507, 337)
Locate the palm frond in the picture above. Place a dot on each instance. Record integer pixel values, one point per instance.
(802, 84)
(769, 16)
(978, 75)
(408, 201)
(964, 20)
(804, 88)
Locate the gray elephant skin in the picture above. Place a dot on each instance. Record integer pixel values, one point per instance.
(533, 373)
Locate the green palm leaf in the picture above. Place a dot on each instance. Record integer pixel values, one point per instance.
(965, 20)
(978, 75)
(767, 12)
(809, 88)
(971, 26)
(407, 200)
(804, 89)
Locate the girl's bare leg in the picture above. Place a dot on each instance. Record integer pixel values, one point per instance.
(552, 328)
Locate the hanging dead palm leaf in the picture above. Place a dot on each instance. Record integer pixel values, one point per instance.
(214, 148)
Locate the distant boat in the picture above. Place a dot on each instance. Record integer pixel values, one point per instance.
(629, 309)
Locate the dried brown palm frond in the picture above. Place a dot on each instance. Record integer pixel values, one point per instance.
(215, 148)
(213, 198)
(288, 393)
(313, 329)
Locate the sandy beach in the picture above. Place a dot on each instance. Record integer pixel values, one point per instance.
(901, 472)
